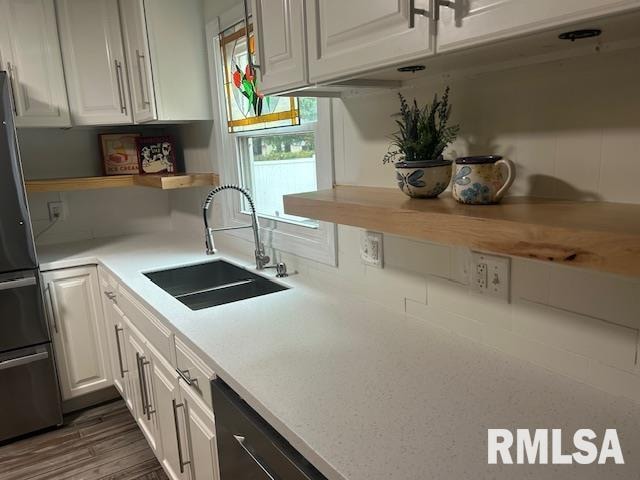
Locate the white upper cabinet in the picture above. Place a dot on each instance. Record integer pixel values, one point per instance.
(94, 61)
(281, 44)
(349, 38)
(136, 43)
(167, 59)
(76, 317)
(473, 22)
(30, 52)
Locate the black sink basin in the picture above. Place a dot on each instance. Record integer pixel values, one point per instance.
(213, 283)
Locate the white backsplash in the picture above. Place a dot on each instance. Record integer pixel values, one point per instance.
(52, 153)
(573, 129)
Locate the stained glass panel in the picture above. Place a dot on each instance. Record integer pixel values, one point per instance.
(247, 107)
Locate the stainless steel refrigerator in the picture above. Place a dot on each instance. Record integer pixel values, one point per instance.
(29, 393)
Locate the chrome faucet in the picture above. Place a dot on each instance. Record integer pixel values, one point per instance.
(262, 259)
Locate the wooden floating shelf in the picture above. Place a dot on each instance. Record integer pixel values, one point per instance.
(595, 235)
(164, 182)
(84, 183)
(171, 182)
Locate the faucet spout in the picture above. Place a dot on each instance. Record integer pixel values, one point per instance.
(262, 259)
(208, 241)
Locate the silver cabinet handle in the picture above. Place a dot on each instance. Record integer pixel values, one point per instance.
(53, 308)
(242, 442)
(184, 375)
(110, 295)
(178, 440)
(10, 70)
(117, 331)
(143, 400)
(120, 80)
(139, 57)
(18, 362)
(18, 283)
(147, 396)
(442, 3)
(413, 11)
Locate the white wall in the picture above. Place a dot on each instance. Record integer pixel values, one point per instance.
(214, 8)
(573, 129)
(53, 153)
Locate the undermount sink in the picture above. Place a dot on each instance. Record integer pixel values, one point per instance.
(213, 283)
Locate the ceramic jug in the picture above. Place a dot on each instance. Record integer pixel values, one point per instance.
(482, 180)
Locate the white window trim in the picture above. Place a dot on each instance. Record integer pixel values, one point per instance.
(318, 244)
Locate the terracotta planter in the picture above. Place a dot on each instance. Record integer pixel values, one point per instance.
(426, 179)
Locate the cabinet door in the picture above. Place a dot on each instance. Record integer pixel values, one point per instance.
(30, 52)
(78, 330)
(281, 41)
(170, 419)
(202, 448)
(348, 38)
(115, 340)
(473, 22)
(143, 393)
(134, 26)
(94, 61)
(116, 343)
(178, 48)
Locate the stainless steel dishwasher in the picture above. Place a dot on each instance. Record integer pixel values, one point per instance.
(248, 447)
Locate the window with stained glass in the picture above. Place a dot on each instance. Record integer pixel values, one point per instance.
(247, 107)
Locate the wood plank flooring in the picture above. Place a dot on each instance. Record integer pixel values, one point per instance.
(101, 443)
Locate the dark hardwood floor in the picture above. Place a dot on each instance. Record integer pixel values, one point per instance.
(96, 444)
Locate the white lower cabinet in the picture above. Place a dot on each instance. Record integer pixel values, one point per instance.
(77, 325)
(103, 336)
(172, 428)
(116, 333)
(201, 435)
(143, 392)
(186, 424)
(171, 406)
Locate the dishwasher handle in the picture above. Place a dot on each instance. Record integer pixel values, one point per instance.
(242, 441)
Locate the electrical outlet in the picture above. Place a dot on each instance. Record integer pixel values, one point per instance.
(57, 211)
(371, 249)
(482, 275)
(491, 275)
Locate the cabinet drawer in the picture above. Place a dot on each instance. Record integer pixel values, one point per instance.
(155, 332)
(194, 371)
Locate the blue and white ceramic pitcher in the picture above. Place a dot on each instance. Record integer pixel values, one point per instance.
(482, 180)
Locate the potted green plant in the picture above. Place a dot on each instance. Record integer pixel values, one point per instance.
(416, 149)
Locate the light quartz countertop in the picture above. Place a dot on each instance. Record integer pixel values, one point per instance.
(362, 392)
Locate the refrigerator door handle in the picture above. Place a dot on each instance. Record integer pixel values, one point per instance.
(20, 282)
(20, 361)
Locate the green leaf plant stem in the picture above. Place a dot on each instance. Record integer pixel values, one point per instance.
(423, 131)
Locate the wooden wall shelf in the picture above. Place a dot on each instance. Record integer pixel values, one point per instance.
(596, 235)
(171, 182)
(164, 182)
